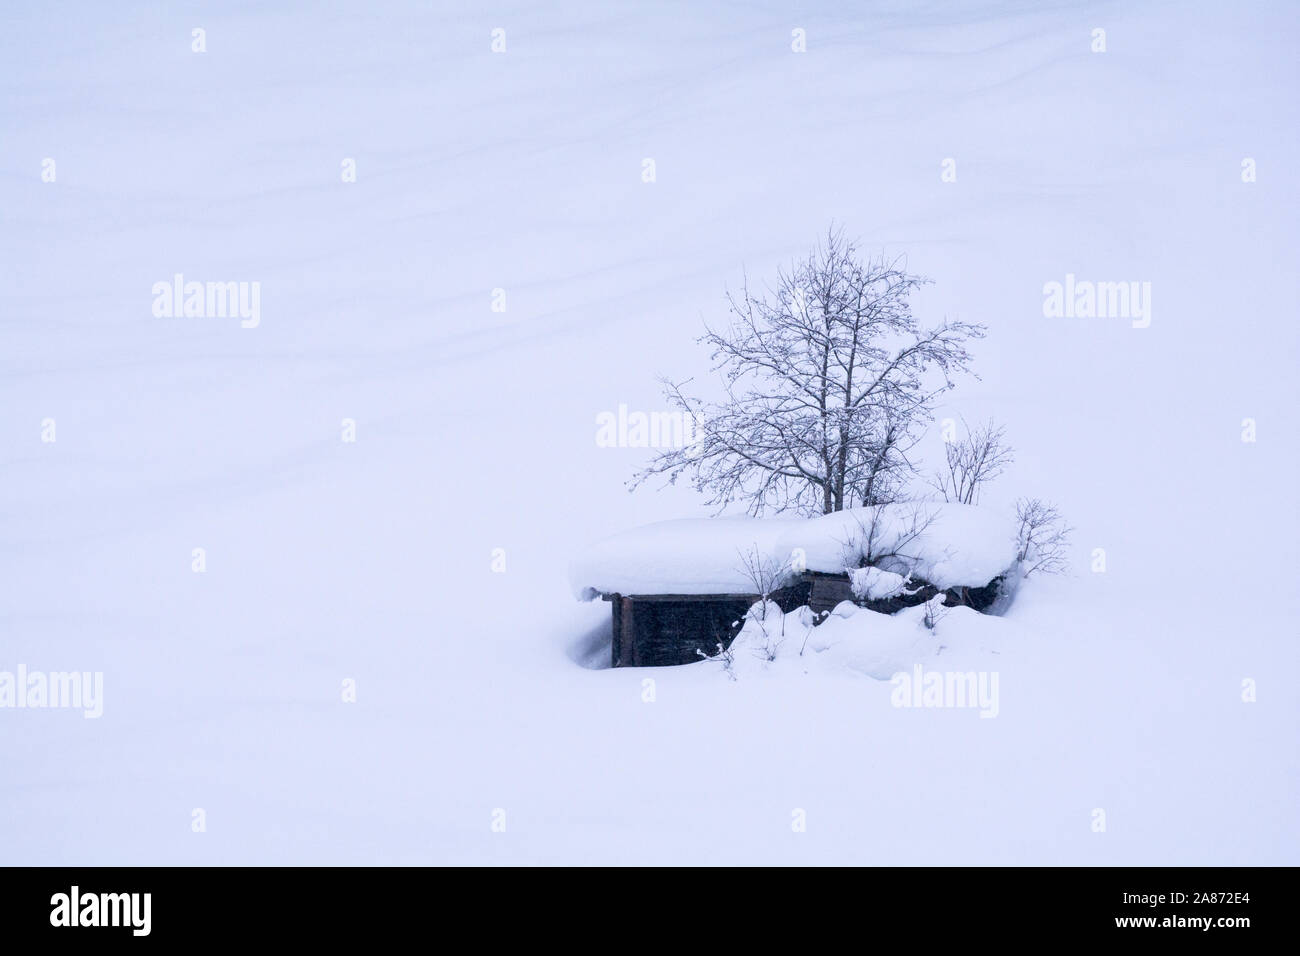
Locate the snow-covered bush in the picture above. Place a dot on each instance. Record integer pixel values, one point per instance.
(1042, 538)
(972, 462)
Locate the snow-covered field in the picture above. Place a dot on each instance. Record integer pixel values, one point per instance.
(479, 695)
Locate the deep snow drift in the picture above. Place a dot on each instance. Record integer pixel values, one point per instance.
(855, 641)
(949, 545)
(426, 561)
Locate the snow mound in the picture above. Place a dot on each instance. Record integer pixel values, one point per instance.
(875, 584)
(948, 545)
(689, 556)
(857, 642)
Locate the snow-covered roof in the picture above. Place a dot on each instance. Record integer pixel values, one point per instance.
(949, 545)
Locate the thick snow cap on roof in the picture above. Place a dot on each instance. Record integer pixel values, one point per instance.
(949, 545)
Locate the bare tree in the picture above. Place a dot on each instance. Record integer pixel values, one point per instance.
(1043, 538)
(886, 466)
(765, 575)
(884, 537)
(723, 657)
(936, 609)
(828, 382)
(971, 462)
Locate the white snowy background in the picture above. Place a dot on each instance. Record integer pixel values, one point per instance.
(521, 170)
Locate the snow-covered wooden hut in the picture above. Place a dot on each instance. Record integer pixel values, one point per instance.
(680, 589)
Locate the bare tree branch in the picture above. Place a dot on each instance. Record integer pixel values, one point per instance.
(1043, 539)
(971, 462)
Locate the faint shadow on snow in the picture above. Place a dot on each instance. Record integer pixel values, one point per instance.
(593, 649)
